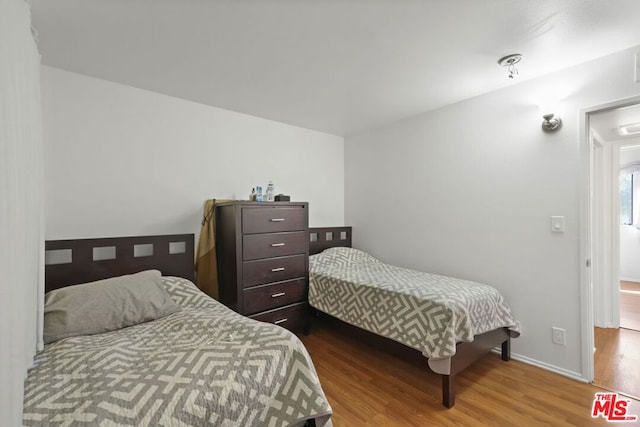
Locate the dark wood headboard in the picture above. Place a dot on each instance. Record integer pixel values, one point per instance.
(321, 238)
(69, 262)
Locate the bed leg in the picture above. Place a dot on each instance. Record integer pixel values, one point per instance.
(312, 315)
(448, 391)
(506, 350)
(306, 327)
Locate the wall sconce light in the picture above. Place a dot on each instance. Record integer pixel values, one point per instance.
(551, 122)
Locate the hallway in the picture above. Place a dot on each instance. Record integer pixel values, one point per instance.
(617, 355)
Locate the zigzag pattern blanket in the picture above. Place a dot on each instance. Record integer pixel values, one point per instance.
(202, 366)
(427, 312)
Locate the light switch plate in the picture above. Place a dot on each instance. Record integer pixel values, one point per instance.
(557, 224)
(637, 67)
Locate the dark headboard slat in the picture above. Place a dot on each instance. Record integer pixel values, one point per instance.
(83, 268)
(340, 237)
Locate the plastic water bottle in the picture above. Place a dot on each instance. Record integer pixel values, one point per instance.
(270, 192)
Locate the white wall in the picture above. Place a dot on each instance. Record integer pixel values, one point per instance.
(123, 161)
(468, 191)
(629, 253)
(629, 234)
(21, 206)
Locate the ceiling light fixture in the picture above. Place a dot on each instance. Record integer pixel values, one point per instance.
(551, 122)
(631, 129)
(510, 62)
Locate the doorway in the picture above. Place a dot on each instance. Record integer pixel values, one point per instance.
(612, 238)
(630, 235)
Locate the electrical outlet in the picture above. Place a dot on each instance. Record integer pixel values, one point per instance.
(558, 336)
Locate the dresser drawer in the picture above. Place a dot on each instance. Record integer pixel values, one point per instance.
(266, 297)
(272, 270)
(257, 246)
(292, 317)
(273, 220)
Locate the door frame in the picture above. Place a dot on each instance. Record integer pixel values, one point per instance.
(605, 262)
(587, 230)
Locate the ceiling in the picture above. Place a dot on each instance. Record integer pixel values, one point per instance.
(336, 66)
(607, 123)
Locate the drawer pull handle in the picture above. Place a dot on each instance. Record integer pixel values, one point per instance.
(279, 294)
(277, 220)
(273, 270)
(277, 244)
(277, 322)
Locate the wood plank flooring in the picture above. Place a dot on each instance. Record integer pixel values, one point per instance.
(617, 356)
(629, 286)
(369, 387)
(617, 360)
(630, 305)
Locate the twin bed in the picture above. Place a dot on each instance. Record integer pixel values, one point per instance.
(451, 322)
(170, 355)
(196, 363)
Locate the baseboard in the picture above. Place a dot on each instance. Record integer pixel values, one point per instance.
(607, 326)
(626, 279)
(546, 366)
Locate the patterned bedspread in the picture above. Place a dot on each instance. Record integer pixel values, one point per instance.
(202, 366)
(427, 312)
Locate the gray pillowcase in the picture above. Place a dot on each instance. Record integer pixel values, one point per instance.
(105, 305)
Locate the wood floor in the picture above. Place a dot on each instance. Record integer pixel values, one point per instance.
(368, 387)
(617, 360)
(617, 356)
(630, 305)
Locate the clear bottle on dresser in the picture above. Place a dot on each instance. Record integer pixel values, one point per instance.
(270, 192)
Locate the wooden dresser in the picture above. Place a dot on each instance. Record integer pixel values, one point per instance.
(263, 260)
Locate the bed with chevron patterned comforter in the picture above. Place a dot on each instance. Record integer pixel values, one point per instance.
(204, 365)
(427, 312)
